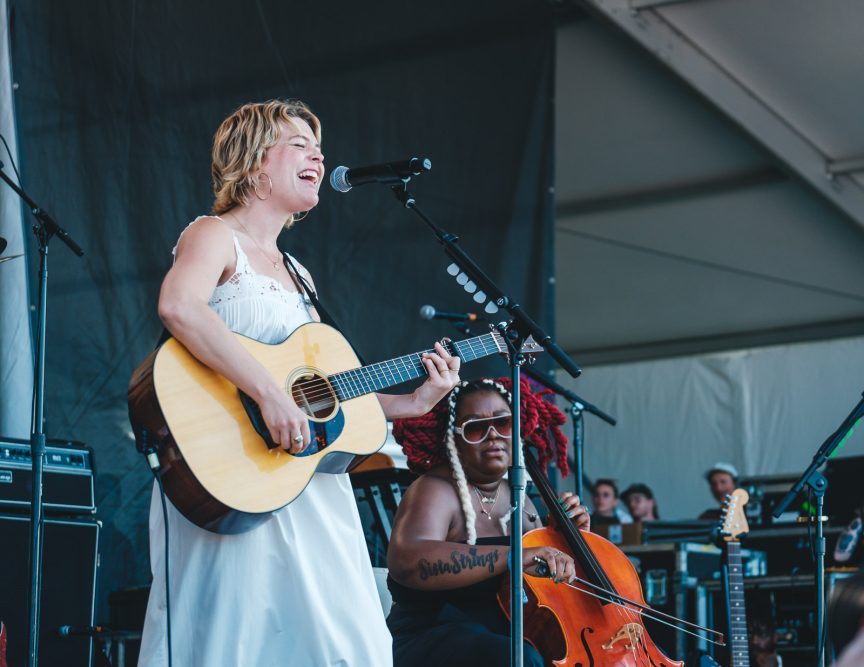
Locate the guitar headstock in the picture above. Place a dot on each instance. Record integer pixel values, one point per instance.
(530, 347)
(734, 522)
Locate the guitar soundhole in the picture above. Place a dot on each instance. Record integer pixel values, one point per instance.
(314, 394)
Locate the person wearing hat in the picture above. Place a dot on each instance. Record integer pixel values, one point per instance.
(722, 479)
(640, 502)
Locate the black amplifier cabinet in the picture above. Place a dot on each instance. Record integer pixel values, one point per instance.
(70, 562)
(67, 481)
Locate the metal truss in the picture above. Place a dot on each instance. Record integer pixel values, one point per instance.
(643, 21)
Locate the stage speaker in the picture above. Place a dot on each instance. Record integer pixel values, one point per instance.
(70, 558)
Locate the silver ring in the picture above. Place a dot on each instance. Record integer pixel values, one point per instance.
(297, 439)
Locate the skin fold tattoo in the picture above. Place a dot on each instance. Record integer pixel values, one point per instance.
(459, 562)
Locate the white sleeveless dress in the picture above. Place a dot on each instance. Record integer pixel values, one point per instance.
(297, 590)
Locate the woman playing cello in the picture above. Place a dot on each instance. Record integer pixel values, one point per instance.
(448, 551)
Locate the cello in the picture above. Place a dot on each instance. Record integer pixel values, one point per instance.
(597, 619)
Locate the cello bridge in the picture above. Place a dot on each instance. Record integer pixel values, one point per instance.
(630, 631)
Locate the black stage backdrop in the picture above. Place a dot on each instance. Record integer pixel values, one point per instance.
(116, 106)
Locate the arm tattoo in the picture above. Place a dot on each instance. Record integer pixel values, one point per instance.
(458, 562)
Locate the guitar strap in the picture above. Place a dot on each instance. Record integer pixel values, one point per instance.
(303, 286)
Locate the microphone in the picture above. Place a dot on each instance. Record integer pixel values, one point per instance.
(2, 245)
(82, 630)
(343, 179)
(428, 312)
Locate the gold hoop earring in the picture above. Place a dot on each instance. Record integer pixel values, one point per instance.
(297, 217)
(258, 182)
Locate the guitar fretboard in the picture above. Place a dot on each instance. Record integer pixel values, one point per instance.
(738, 643)
(384, 374)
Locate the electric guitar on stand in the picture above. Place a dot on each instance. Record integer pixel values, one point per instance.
(733, 527)
(218, 464)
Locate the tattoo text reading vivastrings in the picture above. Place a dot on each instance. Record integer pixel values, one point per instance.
(458, 562)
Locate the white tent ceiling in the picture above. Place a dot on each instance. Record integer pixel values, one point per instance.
(710, 175)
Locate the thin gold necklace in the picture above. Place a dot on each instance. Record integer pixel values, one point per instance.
(486, 500)
(274, 263)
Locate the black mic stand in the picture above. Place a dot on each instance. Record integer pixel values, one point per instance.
(44, 228)
(578, 406)
(817, 483)
(514, 333)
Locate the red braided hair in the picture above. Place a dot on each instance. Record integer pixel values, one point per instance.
(422, 438)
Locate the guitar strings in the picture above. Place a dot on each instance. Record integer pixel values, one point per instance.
(358, 381)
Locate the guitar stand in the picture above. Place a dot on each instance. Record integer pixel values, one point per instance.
(515, 333)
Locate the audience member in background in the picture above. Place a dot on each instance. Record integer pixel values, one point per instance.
(762, 632)
(640, 502)
(605, 504)
(846, 621)
(723, 480)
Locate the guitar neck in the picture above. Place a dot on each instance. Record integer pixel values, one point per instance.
(375, 377)
(738, 642)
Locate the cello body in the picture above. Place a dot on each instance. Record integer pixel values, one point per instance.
(572, 628)
(568, 625)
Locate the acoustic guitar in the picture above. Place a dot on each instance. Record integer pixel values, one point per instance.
(218, 464)
(733, 527)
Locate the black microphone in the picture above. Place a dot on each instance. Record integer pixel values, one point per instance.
(389, 173)
(2, 245)
(82, 630)
(428, 312)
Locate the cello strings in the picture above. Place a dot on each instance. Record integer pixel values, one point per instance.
(588, 561)
(645, 610)
(599, 573)
(655, 616)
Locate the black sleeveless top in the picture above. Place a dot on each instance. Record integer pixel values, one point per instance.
(480, 593)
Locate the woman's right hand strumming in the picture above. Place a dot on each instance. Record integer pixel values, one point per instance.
(561, 565)
(287, 423)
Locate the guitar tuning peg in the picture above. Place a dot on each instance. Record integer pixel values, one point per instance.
(462, 278)
(470, 286)
(490, 308)
(480, 297)
(453, 269)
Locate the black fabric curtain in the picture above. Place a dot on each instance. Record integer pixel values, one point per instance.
(116, 106)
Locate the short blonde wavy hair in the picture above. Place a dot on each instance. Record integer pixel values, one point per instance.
(241, 142)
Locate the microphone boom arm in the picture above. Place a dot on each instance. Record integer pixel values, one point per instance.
(522, 322)
(514, 334)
